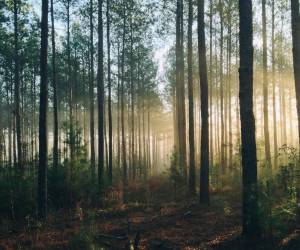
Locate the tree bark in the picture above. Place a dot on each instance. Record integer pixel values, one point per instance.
(55, 101)
(265, 86)
(118, 114)
(180, 91)
(274, 88)
(110, 142)
(100, 93)
(230, 85)
(223, 160)
(249, 158)
(211, 81)
(91, 94)
(204, 162)
(192, 188)
(43, 144)
(70, 86)
(296, 54)
(17, 86)
(124, 162)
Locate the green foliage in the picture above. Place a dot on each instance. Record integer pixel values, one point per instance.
(73, 133)
(289, 152)
(71, 183)
(67, 185)
(215, 173)
(17, 193)
(279, 206)
(175, 174)
(81, 241)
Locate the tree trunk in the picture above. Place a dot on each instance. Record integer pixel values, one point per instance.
(9, 127)
(124, 163)
(105, 136)
(192, 188)
(296, 54)
(249, 159)
(70, 86)
(55, 101)
(110, 142)
(100, 93)
(265, 86)
(229, 87)
(17, 86)
(91, 94)
(204, 162)
(211, 81)
(180, 93)
(43, 144)
(222, 89)
(274, 89)
(118, 114)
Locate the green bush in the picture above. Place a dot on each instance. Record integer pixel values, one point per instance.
(80, 242)
(17, 193)
(279, 207)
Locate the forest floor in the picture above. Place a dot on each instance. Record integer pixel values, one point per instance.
(168, 225)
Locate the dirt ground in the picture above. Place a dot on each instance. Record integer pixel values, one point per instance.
(172, 225)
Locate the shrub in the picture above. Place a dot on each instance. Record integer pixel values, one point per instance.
(80, 241)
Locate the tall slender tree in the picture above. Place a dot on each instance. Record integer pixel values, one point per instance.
(180, 90)
(223, 157)
(192, 188)
(124, 162)
(274, 88)
(43, 143)
(100, 92)
(204, 161)
(110, 142)
(249, 158)
(265, 85)
(211, 79)
(296, 54)
(132, 94)
(70, 88)
(91, 92)
(17, 85)
(54, 86)
(229, 59)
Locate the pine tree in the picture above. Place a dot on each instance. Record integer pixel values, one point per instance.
(43, 143)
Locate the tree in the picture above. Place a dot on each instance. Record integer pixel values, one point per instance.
(43, 144)
(273, 88)
(17, 84)
(296, 54)
(249, 159)
(204, 161)
(229, 62)
(54, 85)
(123, 140)
(211, 80)
(132, 95)
(192, 188)
(91, 93)
(223, 158)
(265, 85)
(180, 90)
(110, 142)
(100, 92)
(70, 83)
